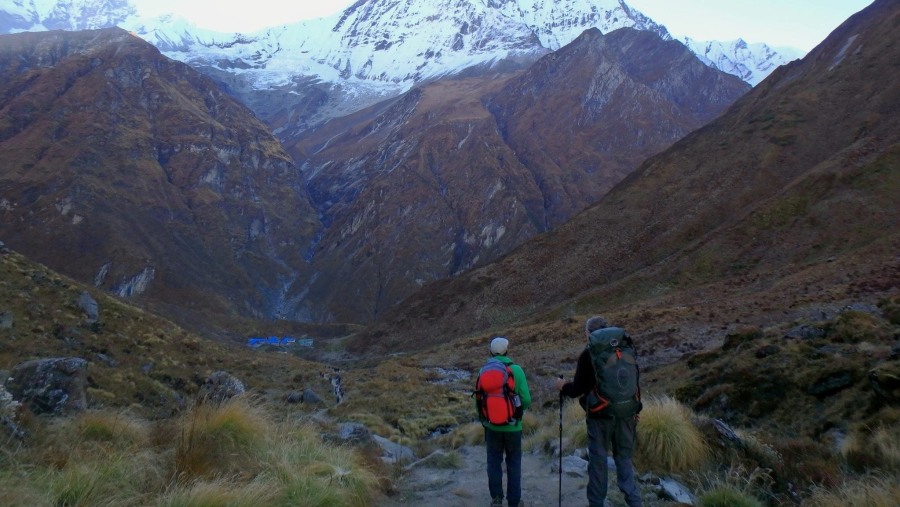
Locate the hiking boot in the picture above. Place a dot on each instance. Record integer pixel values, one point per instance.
(497, 502)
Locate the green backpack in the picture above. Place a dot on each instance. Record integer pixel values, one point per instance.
(617, 392)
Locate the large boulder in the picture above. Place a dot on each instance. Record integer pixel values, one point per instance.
(392, 452)
(221, 386)
(50, 386)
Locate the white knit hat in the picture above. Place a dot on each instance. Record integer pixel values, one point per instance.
(499, 346)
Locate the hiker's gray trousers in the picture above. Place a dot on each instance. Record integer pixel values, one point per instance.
(616, 435)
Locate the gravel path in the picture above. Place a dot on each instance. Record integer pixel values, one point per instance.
(467, 485)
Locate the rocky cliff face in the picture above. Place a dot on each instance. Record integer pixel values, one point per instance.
(458, 173)
(137, 173)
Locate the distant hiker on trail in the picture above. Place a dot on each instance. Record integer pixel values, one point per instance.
(607, 382)
(501, 397)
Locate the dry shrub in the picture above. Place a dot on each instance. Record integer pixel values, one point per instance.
(466, 434)
(545, 433)
(118, 479)
(116, 429)
(18, 486)
(890, 307)
(219, 492)
(854, 326)
(878, 449)
(667, 439)
(870, 491)
(806, 462)
(758, 450)
(531, 423)
(313, 473)
(220, 439)
(737, 487)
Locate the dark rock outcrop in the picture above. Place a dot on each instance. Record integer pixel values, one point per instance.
(53, 386)
(221, 386)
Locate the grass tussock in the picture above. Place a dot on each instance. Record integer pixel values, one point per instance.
(220, 439)
(233, 454)
(873, 449)
(467, 434)
(391, 417)
(667, 439)
(724, 496)
(118, 430)
(870, 491)
(541, 428)
(218, 492)
(735, 487)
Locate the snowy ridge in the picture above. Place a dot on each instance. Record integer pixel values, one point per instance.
(42, 15)
(383, 45)
(379, 48)
(750, 62)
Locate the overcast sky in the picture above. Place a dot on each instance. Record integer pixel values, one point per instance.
(797, 23)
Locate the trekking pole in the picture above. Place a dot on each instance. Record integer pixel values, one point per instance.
(560, 443)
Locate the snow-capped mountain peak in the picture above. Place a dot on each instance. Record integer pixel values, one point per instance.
(378, 48)
(750, 62)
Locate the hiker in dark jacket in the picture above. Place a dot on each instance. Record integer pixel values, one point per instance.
(506, 439)
(605, 432)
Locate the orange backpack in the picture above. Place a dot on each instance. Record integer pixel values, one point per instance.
(495, 394)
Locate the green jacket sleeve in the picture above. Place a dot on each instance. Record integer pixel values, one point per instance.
(521, 385)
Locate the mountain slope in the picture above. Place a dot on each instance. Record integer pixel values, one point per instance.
(137, 173)
(788, 197)
(458, 172)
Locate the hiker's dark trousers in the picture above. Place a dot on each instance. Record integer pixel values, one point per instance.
(509, 443)
(618, 436)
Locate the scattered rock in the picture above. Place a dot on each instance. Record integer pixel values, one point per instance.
(89, 306)
(573, 466)
(805, 332)
(293, 397)
(727, 434)
(394, 452)
(831, 383)
(449, 375)
(108, 361)
(675, 491)
(50, 386)
(221, 386)
(354, 433)
(311, 397)
(6, 320)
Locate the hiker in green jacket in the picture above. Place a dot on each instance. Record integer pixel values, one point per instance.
(504, 438)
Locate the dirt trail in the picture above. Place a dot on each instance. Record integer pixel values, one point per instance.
(467, 486)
